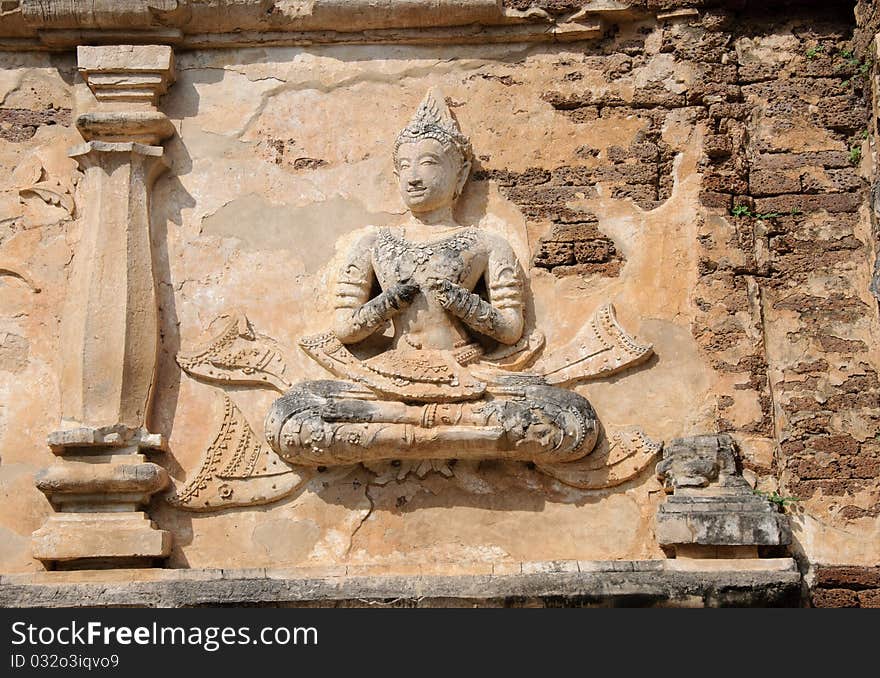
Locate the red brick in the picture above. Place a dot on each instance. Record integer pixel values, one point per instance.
(869, 598)
(850, 576)
(831, 202)
(773, 183)
(835, 598)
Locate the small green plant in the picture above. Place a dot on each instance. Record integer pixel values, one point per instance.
(813, 52)
(861, 67)
(777, 499)
(855, 154)
(744, 211)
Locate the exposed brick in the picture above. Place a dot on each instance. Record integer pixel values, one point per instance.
(758, 71)
(593, 251)
(869, 598)
(833, 307)
(717, 145)
(571, 176)
(834, 598)
(831, 202)
(719, 183)
(651, 97)
(574, 232)
(567, 102)
(20, 124)
(856, 512)
(718, 200)
(550, 254)
(789, 88)
(806, 489)
(848, 576)
(776, 161)
(728, 110)
(831, 344)
(610, 269)
(639, 193)
(707, 93)
(644, 150)
(630, 173)
(773, 183)
(841, 468)
(583, 114)
(726, 73)
(835, 444)
(830, 181)
(843, 114)
(820, 365)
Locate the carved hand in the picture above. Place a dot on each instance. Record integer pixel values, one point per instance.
(477, 314)
(381, 308)
(454, 298)
(402, 293)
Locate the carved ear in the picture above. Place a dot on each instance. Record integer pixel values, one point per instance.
(463, 175)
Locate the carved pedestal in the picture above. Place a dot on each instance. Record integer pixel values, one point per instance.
(713, 512)
(110, 326)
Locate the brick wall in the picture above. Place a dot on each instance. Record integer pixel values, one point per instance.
(786, 244)
(846, 587)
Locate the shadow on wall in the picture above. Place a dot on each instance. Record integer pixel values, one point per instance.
(169, 199)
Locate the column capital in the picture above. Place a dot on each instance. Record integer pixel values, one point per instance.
(127, 81)
(126, 75)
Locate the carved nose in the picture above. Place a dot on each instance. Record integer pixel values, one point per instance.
(414, 182)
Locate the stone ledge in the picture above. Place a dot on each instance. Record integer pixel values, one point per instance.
(669, 583)
(190, 24)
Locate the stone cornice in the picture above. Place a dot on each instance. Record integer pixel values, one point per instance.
(202, 24)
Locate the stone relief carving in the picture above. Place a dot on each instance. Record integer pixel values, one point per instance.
(32, 180)
(711, 504)
(455, 382)
(238, 355)
(238, 470)
(39, 195)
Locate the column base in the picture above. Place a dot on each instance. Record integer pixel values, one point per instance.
(107, 539)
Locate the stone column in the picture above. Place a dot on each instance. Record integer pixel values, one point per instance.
(109, 332)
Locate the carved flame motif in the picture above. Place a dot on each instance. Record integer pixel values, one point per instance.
(237, 470)
(600, 349)
(238, 355)
(625, 454)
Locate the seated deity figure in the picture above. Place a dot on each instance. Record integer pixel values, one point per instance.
(450, 384)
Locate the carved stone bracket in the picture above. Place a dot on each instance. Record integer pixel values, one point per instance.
(713, 511)
(109, 330)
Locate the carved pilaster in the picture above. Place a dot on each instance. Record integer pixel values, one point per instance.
(109, 336)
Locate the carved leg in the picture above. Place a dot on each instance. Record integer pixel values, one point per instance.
(321, 424)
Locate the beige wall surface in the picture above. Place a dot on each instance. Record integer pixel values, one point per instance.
(282, 158)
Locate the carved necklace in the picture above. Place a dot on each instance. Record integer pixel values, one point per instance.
(420, 253)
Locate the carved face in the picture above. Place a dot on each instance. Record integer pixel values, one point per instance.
(430, 176)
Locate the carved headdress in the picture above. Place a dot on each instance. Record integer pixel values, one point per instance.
(434, 120)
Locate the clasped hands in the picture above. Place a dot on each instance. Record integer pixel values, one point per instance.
(450, 296)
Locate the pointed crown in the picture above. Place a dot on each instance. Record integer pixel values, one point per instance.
(434, 120)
